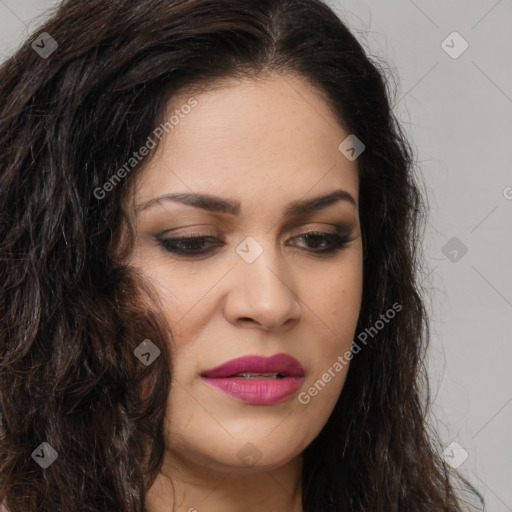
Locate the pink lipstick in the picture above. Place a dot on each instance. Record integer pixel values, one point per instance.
(256, 379)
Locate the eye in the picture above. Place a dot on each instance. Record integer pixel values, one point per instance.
(332, 242)
(189, 245)
(319, 242)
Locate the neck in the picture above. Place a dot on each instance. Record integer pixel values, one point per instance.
(182, 486)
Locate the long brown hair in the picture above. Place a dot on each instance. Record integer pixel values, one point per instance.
(71, 315)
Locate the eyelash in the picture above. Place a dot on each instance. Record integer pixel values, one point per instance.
(337, 243)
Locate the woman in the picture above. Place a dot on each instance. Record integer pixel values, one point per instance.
(209, 254)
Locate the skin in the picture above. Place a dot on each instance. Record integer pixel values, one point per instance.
(265, 143)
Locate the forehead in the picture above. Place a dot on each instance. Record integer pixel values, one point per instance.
(272, 137)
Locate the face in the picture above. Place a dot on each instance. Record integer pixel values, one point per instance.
(252, 281)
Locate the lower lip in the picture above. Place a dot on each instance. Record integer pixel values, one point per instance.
(257, 391)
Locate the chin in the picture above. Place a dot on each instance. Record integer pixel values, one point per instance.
(251, 454)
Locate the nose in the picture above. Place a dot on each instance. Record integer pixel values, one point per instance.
(262, 293)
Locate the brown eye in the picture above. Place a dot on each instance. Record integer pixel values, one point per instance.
(319, 242)
(192, 245)
(331, 241)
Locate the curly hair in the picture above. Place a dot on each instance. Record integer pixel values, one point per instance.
(71, 314)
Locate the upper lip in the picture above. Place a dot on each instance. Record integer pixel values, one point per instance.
(278, 363)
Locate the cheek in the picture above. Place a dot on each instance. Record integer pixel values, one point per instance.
(334, 302)
(335, 296)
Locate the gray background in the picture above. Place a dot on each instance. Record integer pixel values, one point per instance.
(458, 115)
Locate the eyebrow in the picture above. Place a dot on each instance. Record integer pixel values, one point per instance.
(232, 206)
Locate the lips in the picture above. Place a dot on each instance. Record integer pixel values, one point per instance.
(257, 380)
(281, 365)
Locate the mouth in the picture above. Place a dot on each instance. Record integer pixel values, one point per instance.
(276, 367)
(248, 375)
(256, 379)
